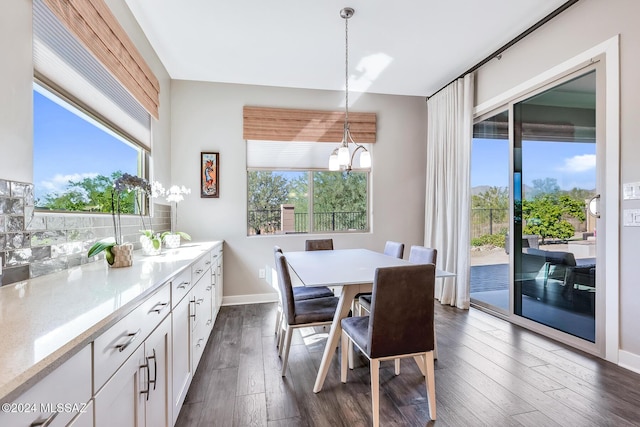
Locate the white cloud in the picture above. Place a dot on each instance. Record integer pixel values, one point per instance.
(58, 184)
(581, 163)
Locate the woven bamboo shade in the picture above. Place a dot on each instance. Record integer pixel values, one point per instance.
(95, 26)
(281, 124)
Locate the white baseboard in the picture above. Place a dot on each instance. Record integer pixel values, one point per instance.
(629, 361)
(249, 299)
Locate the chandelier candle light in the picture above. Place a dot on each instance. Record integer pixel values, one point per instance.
(341, 157)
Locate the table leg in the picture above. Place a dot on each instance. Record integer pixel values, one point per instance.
(344, 305)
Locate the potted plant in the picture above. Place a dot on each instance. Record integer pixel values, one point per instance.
(118, 253)
(171, 238)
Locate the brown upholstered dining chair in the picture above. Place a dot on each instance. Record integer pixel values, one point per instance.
(417, 255)
(400, 325)
(299, 314)
(318, 245)
(300, 293)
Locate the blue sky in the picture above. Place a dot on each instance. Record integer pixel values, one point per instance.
(68, 147)
(571, 164)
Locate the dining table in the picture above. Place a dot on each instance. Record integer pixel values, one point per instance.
(351, 269)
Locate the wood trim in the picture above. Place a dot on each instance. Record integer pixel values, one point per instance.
(95, 26)
(282, 124)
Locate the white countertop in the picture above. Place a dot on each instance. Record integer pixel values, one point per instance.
(46, 320)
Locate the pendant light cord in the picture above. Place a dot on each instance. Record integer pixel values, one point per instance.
(346, 71)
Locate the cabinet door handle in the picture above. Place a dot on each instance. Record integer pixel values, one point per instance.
(155, 369)
(183, 285)
(45, 423)
(194, 307)
(146, 366)
(132, 338)
(200, 300)
(158, 307)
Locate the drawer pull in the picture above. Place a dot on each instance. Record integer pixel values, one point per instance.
(183, 285)
(132, 338)
(199, 344)
(208, 322)
(208, 288)
(46, 422)
(158, 307)
(200, 300)
(199, 271)
(207, 263)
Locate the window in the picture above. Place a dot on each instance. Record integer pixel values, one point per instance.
(76, 158)
(285, 202)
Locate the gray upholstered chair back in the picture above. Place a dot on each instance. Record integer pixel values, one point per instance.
(394, 249)
(422, 255)
(318, 245)
(401, 320)
(286, 289)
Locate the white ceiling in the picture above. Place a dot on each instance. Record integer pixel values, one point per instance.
(404, 47)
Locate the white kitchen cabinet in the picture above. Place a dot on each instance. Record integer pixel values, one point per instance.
(158, 365)
(216, 278)
(137, 394)
(70, 383)
(120, 402)
(85, 418)
(181, 351)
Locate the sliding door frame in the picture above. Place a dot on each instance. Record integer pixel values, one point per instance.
(607, 304)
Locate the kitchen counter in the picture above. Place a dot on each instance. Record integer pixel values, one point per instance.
(46, 320)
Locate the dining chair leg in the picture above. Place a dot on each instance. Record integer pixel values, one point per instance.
(397, 366)
(278, 316)
(420, 362)
(283, 329)
(375, 391)
(435, 342)
(279, 334)
(345, 349)
(287, 345)
(430, 381)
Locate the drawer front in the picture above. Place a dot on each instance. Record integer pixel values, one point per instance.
(200, 267)
(68, 385)
(180, 287)
(116, 344)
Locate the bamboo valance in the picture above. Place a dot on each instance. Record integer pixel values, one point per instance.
(95, 26)
(281, 124)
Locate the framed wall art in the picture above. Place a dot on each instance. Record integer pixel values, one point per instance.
(209, 174)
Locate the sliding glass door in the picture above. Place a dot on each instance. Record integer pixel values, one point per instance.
(535, 228)
(554, 179)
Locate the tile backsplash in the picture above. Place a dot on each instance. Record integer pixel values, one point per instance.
(33, 243)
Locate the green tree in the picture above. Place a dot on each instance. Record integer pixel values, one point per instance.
(89, 194)
(344, 196)
(491, 205)
(543, 186)
(266, 192)
(547, 214)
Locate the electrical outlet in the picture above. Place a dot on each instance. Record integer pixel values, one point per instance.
(262, 273)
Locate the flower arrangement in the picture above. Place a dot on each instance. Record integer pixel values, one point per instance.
(174, 195)
(112, 246)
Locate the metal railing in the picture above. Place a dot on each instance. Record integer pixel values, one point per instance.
(489, 221)
(269, 221)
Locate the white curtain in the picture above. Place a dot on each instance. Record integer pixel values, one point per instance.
(447, 208)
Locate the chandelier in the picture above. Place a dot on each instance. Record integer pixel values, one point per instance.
(342, 157)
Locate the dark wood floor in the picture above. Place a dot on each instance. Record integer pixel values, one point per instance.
(489, 373)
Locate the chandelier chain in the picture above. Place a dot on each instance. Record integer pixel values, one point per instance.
(346, 69)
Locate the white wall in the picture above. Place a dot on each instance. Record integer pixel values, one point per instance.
(208, 117)
(584, 25)
(16, 99)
